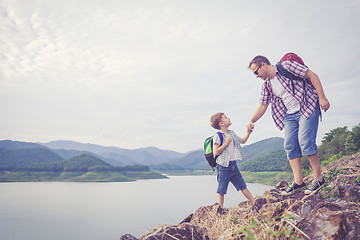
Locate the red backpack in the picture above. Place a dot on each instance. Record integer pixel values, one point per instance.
(287, 74)
(292, 57)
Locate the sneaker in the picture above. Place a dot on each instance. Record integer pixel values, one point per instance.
(315, 186)
(293, 188)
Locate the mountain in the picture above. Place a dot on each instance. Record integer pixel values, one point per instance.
(144, 156)
(18, 145)
(263, 147)
(82, 162)
(274, 161)
(12, 158)
(112, 158)
(254, 153)
(194, 160)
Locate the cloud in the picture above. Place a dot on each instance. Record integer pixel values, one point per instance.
(137, 73)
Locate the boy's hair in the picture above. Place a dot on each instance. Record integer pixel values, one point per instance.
(216, 119)
(259, 60)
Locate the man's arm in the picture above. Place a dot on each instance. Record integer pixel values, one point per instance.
(257, 115)
(314, 79)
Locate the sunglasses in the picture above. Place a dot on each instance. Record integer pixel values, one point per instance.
(257, 70)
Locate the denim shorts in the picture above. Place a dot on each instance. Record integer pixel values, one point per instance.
(300, 134)
(229, 174)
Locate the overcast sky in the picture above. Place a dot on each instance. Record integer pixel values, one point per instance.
(139, 73)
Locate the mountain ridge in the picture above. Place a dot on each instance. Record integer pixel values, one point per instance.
(155, 158)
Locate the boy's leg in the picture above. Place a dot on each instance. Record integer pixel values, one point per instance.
(223, 178)
(239, 183)
(248, 195)
(221, 200)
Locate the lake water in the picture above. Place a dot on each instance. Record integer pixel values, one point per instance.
(93, 211)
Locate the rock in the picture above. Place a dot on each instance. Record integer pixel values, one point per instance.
(228, 234)
(281, 185)
(259, 202)
(305, 209)
(183, 231)
(187, 219)
(128, 237)
(348, 192)
(331, 213)
(333, 221)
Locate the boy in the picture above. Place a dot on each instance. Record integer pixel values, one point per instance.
(229, 151)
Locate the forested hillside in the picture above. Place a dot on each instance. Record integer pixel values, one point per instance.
(21, 158)
(274, 161)
(263, 147)
(339, 142)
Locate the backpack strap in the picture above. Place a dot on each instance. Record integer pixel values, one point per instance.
(292, 77)
(286, 73)
(221, 138)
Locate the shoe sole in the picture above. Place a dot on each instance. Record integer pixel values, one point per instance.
(283, 193)
(308, 192)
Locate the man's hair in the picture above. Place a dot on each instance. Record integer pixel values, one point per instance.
(259, 60)
(216, 119)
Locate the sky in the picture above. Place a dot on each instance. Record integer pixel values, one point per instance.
(139, 73)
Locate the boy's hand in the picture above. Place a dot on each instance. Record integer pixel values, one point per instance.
(250, 126)
(228, 140)
(249, 131)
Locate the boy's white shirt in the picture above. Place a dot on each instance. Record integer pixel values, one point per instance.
(233, 153)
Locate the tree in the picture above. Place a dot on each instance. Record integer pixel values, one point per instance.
(352, 144)
(333, 143)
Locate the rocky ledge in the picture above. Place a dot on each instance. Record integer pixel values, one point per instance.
(331, 213)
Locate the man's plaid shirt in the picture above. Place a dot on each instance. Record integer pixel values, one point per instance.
(306, 95)
(224, 158)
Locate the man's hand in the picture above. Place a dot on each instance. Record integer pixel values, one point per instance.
(250, 127)
(324, 103)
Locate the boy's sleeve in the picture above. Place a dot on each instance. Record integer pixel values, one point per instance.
(216, 139)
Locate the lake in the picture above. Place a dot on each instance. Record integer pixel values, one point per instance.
(93, 211)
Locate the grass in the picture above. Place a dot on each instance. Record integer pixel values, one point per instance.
(271, 223)
(267, 178)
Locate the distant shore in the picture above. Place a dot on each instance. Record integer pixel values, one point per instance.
(77, 176)
(267, 178)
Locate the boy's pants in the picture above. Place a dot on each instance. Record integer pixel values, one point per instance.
(229, 174)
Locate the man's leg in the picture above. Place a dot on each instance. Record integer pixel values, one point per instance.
(293, 151)
(315, 164)
(297, 170)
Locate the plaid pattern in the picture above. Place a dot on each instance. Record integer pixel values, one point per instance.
(224, 158)
(306, 95)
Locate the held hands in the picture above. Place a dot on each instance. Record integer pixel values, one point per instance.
(250, 127)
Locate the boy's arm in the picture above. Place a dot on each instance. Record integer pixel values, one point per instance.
(246, 137)
(219, 149)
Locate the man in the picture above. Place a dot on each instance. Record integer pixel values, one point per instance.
(295, 108)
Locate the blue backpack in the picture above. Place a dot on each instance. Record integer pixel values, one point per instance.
(209, 151)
